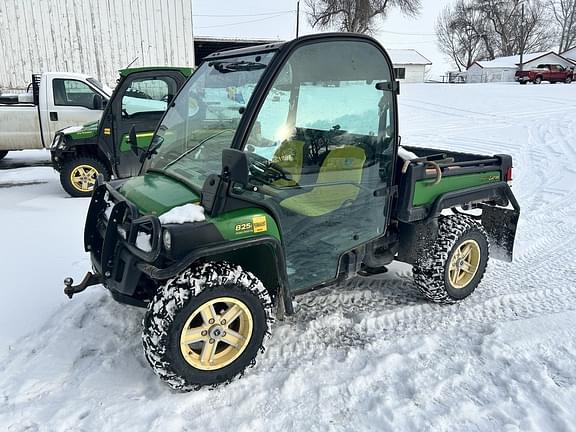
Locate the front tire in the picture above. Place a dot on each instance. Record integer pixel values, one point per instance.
(206, 326)
(568, 80)
(538, 80)
(3, 154)
(451, 269)
(78, 175)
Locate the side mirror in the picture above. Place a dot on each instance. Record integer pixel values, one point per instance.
(133, 140)
(98, 102)
(235, 166)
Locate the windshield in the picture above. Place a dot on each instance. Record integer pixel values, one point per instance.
(204, 117)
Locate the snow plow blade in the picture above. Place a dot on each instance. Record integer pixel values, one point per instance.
(500, 225)
(89, 280)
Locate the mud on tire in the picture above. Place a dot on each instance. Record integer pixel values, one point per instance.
(177, 302)
(432, 269)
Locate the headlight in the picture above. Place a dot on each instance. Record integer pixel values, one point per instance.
(167, 239)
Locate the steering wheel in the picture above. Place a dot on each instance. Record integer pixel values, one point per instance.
(267, 166)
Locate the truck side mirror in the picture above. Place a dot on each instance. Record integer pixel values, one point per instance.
(98, 102)
(133, 140)
(235, 166)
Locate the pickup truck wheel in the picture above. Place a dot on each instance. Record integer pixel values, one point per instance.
(523, 82)
(451, 269)
(78, 175)
(538, 80)
(568, 80)
(206, 326)
(3, 154)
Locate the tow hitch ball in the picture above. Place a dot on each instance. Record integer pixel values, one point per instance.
(89, 280)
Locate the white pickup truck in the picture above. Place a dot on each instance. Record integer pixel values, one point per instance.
(56, 100)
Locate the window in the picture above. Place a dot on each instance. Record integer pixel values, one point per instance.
(316, 107)
(400, 73)
(69, 92)
(148, 95)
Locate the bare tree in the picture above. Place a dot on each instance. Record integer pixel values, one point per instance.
(460, 34)
(484, 29)
(564, 13)
(512, 32)
(355, 15)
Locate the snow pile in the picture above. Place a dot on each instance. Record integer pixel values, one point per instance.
(183, 214)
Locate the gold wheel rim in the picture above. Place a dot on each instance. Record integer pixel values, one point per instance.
(464, 264)
(216, 333)
(83, 177)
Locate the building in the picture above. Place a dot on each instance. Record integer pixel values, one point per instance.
(96, 37)
(503, 69)
(409, 65)
(99, 37)
(570, 54)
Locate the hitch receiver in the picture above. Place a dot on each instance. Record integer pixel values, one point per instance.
(89, 280)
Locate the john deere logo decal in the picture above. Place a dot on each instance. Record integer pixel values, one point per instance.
(259, 224)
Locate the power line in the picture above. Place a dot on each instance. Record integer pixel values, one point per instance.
(407, 34)
(241, 22)
(245, 15)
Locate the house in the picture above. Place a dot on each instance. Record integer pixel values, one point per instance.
(503, 69)
(570, 54)
(409, 65)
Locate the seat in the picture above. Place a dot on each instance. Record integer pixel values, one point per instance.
(290, 157)
(337, 184)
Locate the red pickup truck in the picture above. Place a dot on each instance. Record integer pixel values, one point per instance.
(546, 72)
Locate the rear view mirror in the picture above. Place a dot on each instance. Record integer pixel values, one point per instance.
(235, 166)
(97, 102)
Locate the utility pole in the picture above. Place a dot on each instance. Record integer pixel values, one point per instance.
(297, 17)
(522, 38)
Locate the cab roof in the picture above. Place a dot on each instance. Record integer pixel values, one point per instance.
(186, 71)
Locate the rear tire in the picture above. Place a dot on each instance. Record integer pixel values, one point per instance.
(451, 269)
(78, 175)
(182, 309)
(3, 154)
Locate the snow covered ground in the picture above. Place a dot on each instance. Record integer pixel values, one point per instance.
(369, 355)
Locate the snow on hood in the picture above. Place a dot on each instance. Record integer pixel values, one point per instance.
(183, 214)
(72, 129)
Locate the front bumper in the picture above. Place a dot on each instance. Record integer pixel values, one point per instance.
(113, 229)
(522, 79)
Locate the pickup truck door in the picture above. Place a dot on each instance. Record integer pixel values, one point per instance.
(69, 102)
(140, 102)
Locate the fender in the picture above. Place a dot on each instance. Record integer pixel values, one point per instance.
(283, 297)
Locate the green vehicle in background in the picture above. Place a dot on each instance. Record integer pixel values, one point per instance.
(81, 153)
(277, 170)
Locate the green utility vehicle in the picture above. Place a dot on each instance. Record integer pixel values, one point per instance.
(277, 170)
(138, 103)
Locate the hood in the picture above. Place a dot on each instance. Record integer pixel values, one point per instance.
(88, 130)
(154, 193)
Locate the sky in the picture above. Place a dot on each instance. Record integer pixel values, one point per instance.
(276, 20)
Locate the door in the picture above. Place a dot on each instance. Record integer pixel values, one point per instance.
(72, 103)
(321, 152)
(141, 102)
